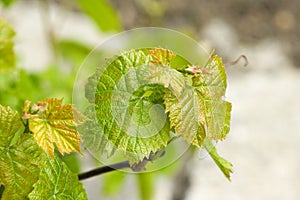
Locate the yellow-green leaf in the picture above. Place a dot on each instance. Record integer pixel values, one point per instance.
(125, 90)
(19, 156)
(53, 123)
(56, 181)
(210, 86)
(185, 115)
(162, 56)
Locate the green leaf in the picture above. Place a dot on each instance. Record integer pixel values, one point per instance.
(210, 87)
(51, 122)
(102, 13)
(19, 167)
(56, 181)
(181, 102)
(168, 77)
(93, 136)
(199, 106)
(7, 56)
(10, 124)
(19, 156)
(224, 165)
(185, 115)
(196, 108)
(130, 118)
(129, 87)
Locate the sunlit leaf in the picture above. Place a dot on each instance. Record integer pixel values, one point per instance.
(196, 107)
(210, 86)
(7, 56)
(53, 123)
(181, 102)
(185, 115)
(168, 77)
(127, 89)
(162, 56)
(19, 156)
(56, 181)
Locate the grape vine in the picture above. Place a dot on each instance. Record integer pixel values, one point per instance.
(139, 103)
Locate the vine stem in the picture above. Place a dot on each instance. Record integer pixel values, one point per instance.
(237, 60)
(104, 169)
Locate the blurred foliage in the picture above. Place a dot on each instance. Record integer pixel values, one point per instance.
(73, 54)
(102, 13)
(17, 86)
(73, 51)
(113, 182)
(7, 56)
(7, 3)
(146, 185)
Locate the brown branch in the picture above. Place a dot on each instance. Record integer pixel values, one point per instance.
(104, 169)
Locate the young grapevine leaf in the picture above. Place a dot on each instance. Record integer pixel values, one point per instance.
(129, 111)
(210, 87)
(7, 56)
(126, 90)
(19, 156)
(56, 181)
(162, 56)
(51, 122)
(224, 165)
(197, 111)
(168, 77)
(185, 115)
(196, 104)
